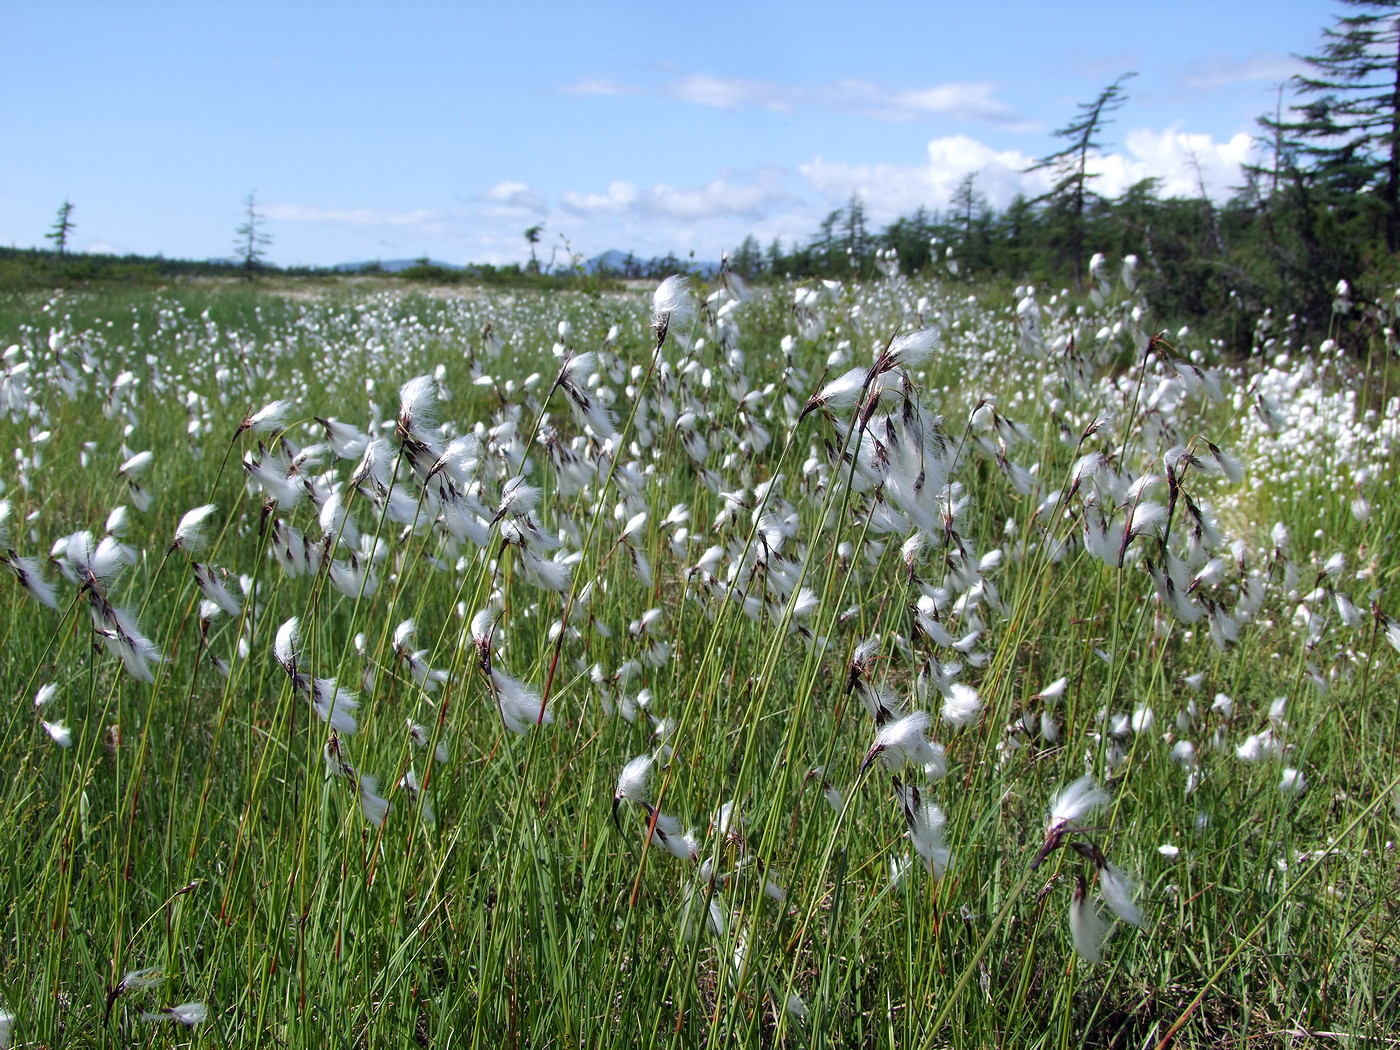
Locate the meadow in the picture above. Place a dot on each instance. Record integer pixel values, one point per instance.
(875, 664)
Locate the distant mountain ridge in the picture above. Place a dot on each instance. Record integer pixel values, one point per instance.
(612, 261)
(627, 264)
(392, 265)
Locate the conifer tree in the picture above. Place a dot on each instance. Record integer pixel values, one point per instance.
(62, 227)
(250, 239)
(1070, 166)
(1345, 131)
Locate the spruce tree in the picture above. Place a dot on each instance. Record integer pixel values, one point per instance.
(62, 227)
(250, 239)
(1344, 132)
(1070, 166)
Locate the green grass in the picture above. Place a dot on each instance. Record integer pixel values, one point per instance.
(193, 825)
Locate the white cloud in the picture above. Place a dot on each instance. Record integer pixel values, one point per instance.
(423, 220)
(958, 100)
(717, 198)
(711, 216)
(892, 190)
(733, 93)
(594, 87)
(1221, 71)
(1173, 156)
(514, 199)
(962, 100)
(620, 197)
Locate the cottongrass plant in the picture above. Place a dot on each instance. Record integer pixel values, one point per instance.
(728, 666)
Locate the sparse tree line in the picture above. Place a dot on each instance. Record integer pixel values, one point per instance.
(1322, 206)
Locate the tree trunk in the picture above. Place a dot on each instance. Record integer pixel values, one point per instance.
(1392, 173)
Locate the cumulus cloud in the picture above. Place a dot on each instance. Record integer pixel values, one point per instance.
(967, 101)
(620, 196)
(513, 199)
(891, 190)
(1173, 157)
(718, 197)
(708, 217)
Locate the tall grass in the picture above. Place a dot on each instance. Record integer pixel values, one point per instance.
(212, 827)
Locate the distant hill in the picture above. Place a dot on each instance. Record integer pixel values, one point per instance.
(391, 265)
(626, 264)
(612, 261)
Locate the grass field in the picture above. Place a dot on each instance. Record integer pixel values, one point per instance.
(871, 665)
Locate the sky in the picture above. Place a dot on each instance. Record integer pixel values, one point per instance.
(388, 131)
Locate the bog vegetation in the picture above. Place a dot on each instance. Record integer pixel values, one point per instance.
(827, 664)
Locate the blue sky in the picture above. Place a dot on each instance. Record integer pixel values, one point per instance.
(445, 129)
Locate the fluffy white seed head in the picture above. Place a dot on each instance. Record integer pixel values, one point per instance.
(1086, 926)
(1118, 891)
(372, 805)
(961, 706)
(271, 417)
(59, 733)
(284, 646)
(418, 403)
(670, 304)
(1075, 802)
(912, 349)
(187, 1014)
(189, 534)
(633, 783)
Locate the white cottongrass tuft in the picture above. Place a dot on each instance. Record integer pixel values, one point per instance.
(187, 1014)
(136, 464)
(271, 417)
(1293, 782)
(1392, 633)
(1259, 746)
(45, 694)
(961, 706)
(284, 646)
(902, 743)
(912, 349)
(140, 980)
(841, 394)
(372, 805)
(96, 562)
(634, 782)
(189, 534)
(335, 705)
(517, 497)
(1118, 890)
(520, 706)
(926, 822)
(671, 306)
(59, 733)
(1086, 926)
(1075, 802)
(418, 403)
